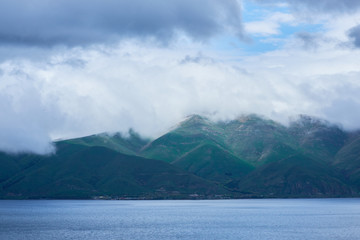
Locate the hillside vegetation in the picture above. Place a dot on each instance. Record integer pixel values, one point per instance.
(246, 157)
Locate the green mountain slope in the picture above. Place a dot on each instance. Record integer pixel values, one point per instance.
(78, 171)
(348, 162)
(296, 176)
(317, 137)
(12, 164)
(248, 157)
(214, 163)
(190, 134)
(258, 140)
(130, 144)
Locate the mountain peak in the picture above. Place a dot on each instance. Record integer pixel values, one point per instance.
(194, 120)
(307, 121)
(247, 118)
(305, 124)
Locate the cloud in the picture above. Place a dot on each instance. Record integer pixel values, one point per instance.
(85, 91)
(354, 35)
(270, 25)
(60, 77)
(325, 6)
(81, 22)
(309, 41)
(330, 6)
(26, 119)
(199, 58)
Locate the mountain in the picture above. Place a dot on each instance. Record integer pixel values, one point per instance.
(78, 171)
(250, 156)
(198, 145)
(258, 140)
(12, 164)
(130, 144)
(295, 176)
(254, 156)
(214, 163)
(188, 135)
(347, 161)
(317, 137)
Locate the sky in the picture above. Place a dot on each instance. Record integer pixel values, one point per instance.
(71, 68)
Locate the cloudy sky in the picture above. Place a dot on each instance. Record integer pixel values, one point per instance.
(70, 68)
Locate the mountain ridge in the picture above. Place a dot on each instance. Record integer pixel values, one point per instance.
(250, 156)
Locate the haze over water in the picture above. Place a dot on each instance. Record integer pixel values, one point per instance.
(217, 219)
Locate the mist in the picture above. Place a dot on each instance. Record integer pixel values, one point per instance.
(150, 89)
(74, 68)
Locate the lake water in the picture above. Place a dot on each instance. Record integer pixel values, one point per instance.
(209, 219)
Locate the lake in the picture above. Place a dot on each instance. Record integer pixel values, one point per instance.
(181, 219)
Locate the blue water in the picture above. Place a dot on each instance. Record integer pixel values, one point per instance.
(216, 219)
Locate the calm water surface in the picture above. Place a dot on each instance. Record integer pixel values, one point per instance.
(216, 219)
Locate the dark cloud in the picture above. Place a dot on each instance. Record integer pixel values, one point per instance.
(327, 5)
(330, 6)
(354, 34)
(309, 41)
(198, 59)
(69, 22)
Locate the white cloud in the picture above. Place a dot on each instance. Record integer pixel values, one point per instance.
(71, 92)
(85, 91)
(270, 25)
